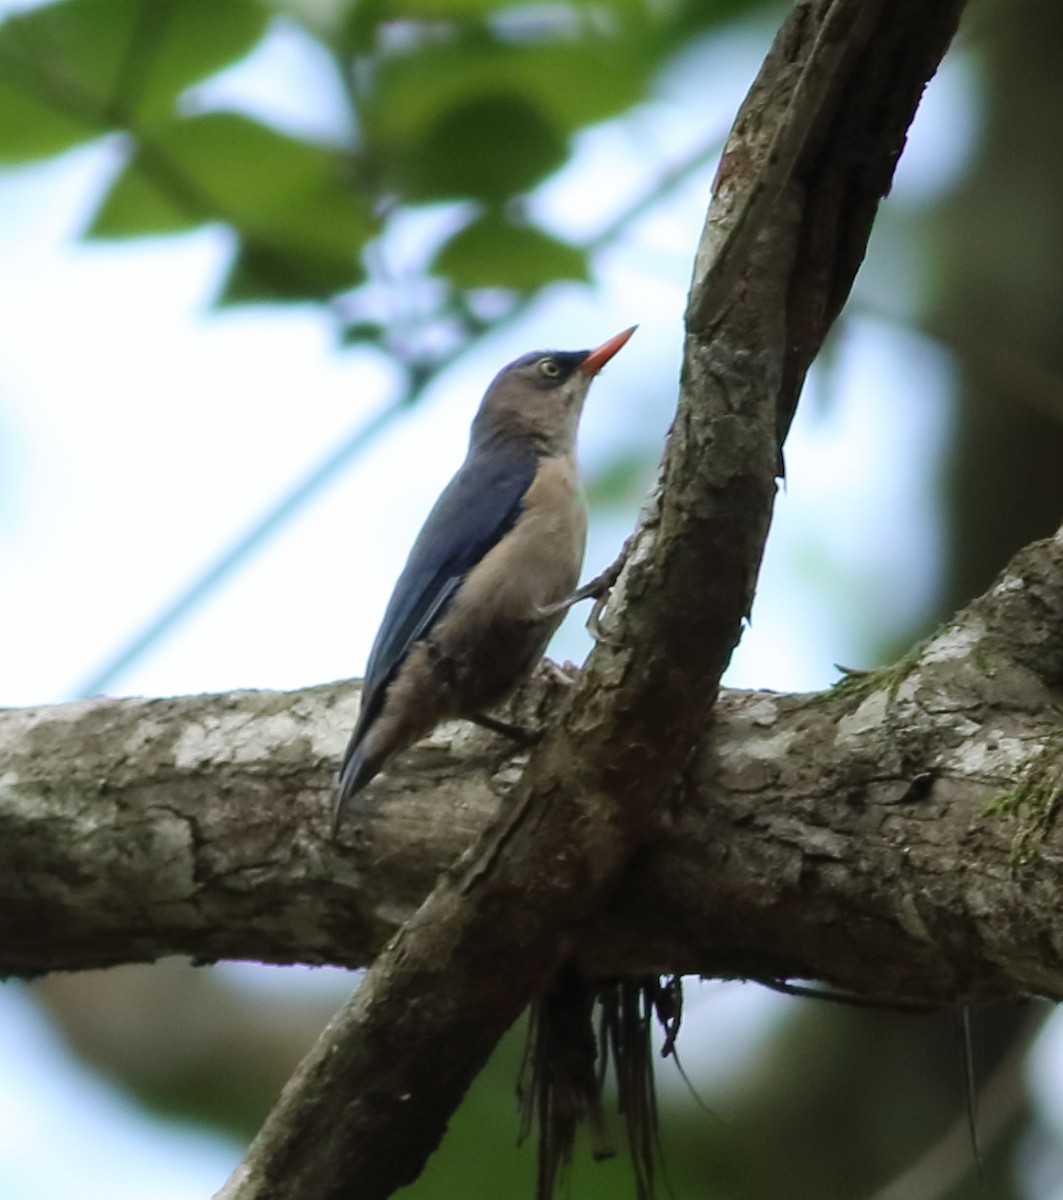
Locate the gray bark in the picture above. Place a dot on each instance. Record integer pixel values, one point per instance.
(895, 835)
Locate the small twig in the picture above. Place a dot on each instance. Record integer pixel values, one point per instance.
(848, 998)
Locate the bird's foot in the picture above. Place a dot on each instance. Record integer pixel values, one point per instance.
(594, 623)
(587, 592)
(603, 591)
(597, 589)
(520, 734)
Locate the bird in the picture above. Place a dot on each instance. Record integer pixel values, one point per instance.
(492, 571)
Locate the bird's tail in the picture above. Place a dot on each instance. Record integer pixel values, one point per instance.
(357, 770)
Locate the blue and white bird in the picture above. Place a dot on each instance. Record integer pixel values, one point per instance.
(483, 588)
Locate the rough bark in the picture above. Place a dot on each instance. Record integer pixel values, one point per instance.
(620, 772)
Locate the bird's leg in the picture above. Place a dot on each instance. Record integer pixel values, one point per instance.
(520, 734)
(597, 589)
(591, 590)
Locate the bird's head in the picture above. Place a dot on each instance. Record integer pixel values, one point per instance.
(540, 396)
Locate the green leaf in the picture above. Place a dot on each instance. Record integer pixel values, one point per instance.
(488, 147)
(301, 223)
(31, 126)
(225, 166)
(265, 273)
(493, 252)
(152, 195)
(190, 40)
(571, 82)
(71, 71)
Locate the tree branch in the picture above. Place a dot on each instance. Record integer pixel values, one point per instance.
(895, 835)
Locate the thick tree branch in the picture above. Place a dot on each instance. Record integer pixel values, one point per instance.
(895, 835)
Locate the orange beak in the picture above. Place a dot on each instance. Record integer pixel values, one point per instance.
(597, 359)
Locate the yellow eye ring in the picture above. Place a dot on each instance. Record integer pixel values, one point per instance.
(549, 368)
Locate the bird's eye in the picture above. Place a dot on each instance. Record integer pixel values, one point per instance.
(549, 368)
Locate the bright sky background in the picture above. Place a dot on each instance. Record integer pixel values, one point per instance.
(141, 433)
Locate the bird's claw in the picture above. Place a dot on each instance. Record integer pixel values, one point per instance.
(594, 623)
(598, 590)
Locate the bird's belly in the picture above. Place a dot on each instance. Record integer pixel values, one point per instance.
(491, 637)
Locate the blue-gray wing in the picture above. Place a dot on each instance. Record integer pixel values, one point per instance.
(475, 511)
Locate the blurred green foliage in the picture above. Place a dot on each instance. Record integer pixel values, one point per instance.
(448, 100)
(70, 72)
